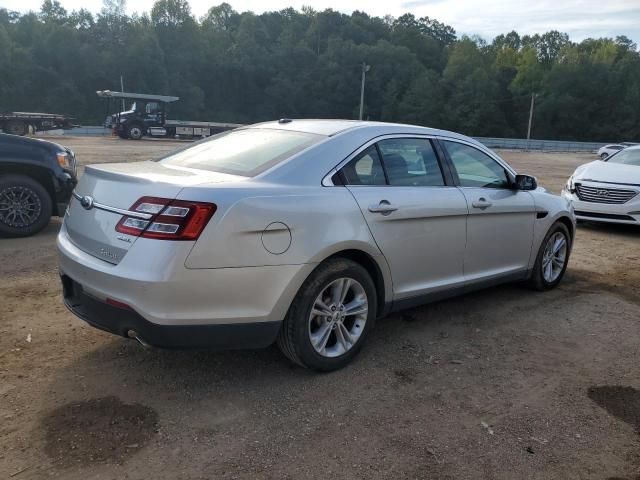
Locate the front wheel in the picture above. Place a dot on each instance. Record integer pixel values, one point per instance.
(134, 132)
(604, 156)
(25, 206)
(330, 317)
(553, 258)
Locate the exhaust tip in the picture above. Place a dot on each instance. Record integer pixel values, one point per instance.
(134, 335)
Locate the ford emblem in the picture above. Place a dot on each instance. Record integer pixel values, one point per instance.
(86, 202)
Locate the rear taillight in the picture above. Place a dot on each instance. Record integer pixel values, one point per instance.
(170, 219)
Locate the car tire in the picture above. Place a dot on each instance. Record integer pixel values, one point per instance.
(604, 156)
(301, 335)
(33, 202)
(134, 132)
(547, 273)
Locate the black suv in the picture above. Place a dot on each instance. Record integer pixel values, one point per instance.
(36, 181)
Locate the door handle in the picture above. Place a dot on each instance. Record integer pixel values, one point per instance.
(384, 207)
(481, 203)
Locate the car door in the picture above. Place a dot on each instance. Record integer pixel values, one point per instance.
(415, 217)
(501, 219)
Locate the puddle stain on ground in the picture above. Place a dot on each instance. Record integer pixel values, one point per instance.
(404, 376)
(100, 430)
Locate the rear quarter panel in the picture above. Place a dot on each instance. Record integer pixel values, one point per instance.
(306, 225)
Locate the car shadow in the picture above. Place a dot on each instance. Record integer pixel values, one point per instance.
(138, 404)
(621, 229)
(122, 365)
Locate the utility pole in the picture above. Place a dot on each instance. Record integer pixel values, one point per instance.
(533, 96)
(122, 90)
(365, 69)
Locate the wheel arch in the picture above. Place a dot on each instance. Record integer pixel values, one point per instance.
(569, 224)
(371, 265)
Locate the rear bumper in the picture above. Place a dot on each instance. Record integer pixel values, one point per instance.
(172, 306)
(128, 323)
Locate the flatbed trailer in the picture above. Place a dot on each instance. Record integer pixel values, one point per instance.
(147, 116)
(20, 123)
(189, 128)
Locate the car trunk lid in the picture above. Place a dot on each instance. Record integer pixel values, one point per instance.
(105, 194)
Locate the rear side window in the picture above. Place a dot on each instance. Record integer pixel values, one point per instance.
(365, 169)
(411, 162)
(245, 152)
(475, 168)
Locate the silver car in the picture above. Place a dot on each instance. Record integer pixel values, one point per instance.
(302, 232)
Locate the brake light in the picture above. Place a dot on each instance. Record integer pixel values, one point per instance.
(170, 219)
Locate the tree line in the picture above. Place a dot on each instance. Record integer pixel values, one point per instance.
(241, 67)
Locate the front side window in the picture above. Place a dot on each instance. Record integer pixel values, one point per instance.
(476, 168)
(152, 107)
(364, 169)
(411, 162)
(626, 157)
(245, 152)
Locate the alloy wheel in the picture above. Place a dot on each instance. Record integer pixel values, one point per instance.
(554, 257)
(20, 206)
(338, 317)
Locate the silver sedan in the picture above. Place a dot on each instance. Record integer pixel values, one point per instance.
(302, 232)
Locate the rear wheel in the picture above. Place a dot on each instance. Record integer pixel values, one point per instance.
(330, 317)
(553, 258)
(25, 206)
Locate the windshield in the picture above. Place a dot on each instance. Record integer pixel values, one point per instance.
(245, 152)
(626, 157)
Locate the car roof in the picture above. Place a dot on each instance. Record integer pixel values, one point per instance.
(334, 127)
(319, 127)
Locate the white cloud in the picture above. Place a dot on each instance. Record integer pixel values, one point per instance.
(487, 18)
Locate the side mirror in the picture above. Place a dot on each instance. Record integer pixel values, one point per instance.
(525, 182)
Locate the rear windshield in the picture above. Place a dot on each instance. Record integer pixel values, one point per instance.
(245, 152)
(628, 157)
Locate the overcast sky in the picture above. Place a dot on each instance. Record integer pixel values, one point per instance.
(487, 18)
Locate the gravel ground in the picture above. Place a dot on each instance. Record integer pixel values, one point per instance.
(505, 383)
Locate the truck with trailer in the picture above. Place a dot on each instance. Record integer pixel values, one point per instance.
(147, 116)
(21, 123)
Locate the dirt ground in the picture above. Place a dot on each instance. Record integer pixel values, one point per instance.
(501, 384)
